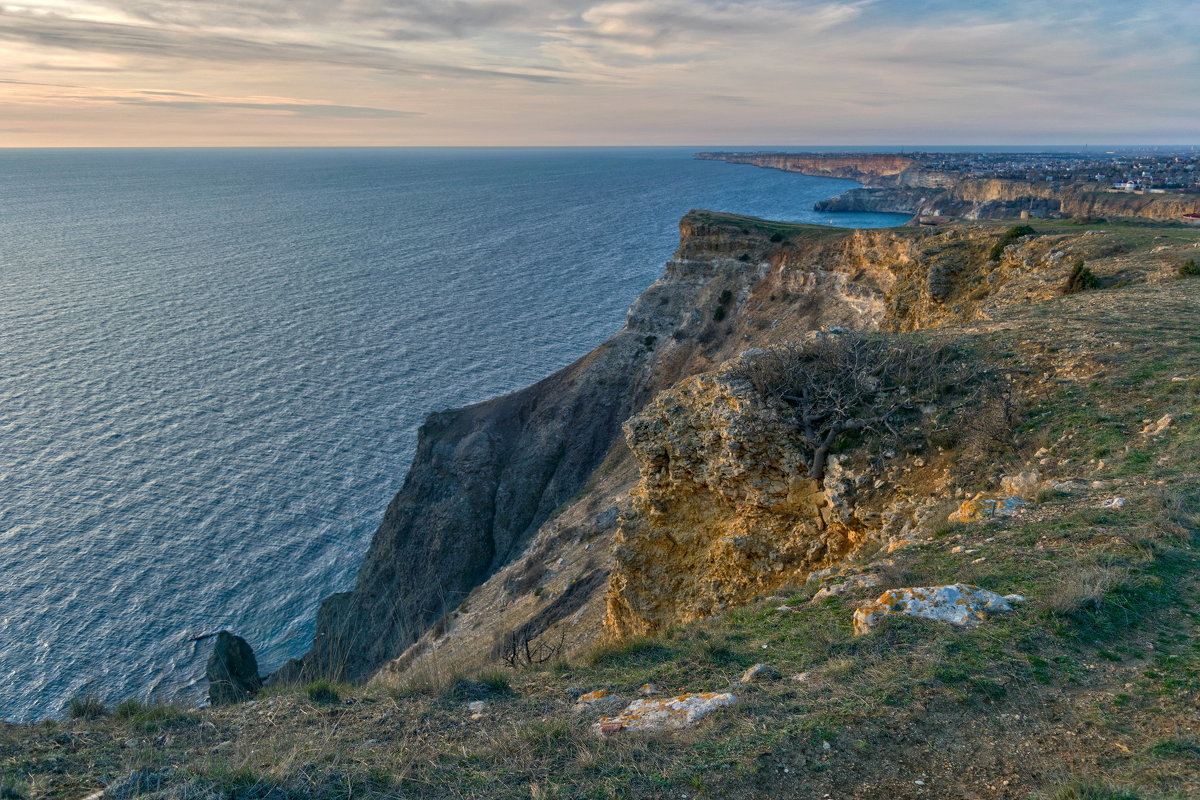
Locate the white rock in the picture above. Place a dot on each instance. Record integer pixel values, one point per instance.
(957, 604)
(476, 706)
(1015, 598)
(668, 713)
(1113, 503)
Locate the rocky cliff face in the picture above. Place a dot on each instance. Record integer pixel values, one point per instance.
(506, 521)
(724, 510)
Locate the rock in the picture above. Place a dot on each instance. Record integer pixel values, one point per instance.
(1024, 484)
(669, 713)
(232, 671)
(648, 690)
(1155, 428)
(986, 505)
(1113, 503)
(1015, 598)
(802, 677)
(957, 604)
(601, 698)
(759, 672)
(476, 706)
(852, 583)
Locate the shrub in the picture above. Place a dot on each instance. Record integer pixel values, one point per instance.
(719, 314)
(776, 237)
(1010, 236)
(1084, 588)
(1189, 269)
(853, 385)
(128, 709)
(1081, 280)
(86, 706)
(322, 691)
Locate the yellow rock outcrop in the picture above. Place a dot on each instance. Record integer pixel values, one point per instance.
(724, 509)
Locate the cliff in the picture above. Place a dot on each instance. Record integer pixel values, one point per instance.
(898, 185)
(506, 521)
(694, 541)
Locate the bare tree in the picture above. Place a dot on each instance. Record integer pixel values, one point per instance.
(521, 649)
(839, 383)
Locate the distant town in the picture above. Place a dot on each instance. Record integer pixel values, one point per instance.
(1116, 171)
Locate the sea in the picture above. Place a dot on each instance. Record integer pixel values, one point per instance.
(213, 364)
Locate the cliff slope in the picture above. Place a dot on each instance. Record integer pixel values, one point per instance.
(733, 285)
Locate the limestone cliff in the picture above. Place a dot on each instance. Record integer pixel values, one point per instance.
(506, 521)
(724, 510)
(899, 185)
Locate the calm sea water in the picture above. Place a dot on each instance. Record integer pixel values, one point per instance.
(213, 363)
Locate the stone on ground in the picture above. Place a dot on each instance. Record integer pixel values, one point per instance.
(665, 714)
(957, 604)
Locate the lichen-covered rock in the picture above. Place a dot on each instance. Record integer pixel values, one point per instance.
(599, 699)
(958, 604)
(668, 713)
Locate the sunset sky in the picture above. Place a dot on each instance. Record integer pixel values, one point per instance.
(585, 72)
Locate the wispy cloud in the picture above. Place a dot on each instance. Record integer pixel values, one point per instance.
(627, 71)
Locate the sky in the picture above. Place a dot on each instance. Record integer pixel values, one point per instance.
(597, 72)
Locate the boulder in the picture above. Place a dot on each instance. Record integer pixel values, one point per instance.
(668, 713)
(958, 604)
(232, 671)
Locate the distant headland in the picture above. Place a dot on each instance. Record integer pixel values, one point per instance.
(1161, 186)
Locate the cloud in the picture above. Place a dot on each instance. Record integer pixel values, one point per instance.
(142, 41)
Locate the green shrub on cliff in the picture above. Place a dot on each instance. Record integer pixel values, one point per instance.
(322, 691)
(1189, 269)
(86, 706)
(1010, 236)
(1082, 279)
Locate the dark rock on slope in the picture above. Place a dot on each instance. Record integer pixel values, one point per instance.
(232, 671)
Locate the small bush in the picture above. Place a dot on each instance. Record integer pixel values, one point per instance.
(1084, 588)
(1010, 236)
(776, 237)
(1081, 279)
(128, 709)
(86, 706)
(322, 691)
(495, 683)
(719, 314)
(1189, 269)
